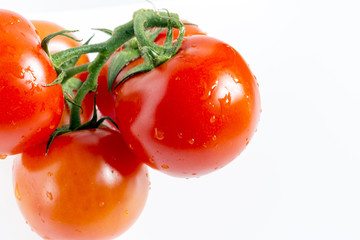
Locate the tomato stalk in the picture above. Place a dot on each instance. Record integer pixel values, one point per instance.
(137, 29)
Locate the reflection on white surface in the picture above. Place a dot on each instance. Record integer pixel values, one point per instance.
(298, 178)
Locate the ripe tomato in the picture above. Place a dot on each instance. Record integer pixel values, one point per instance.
(86, 187)
(193, 114)
(29, 111)
(105, 99)
(60, 43)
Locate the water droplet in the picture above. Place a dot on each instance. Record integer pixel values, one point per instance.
(159, 135)
(16, 19)
(212, 119)
(52, 126)
(17, 193)
(131, 147)
(247, 141)
(126, 212)
(2, 157)
(191, 141)
(213, 138)
(49, 195)
(165, 166)
(177, 78)
(101, 204)
(180, 135)
(151, 160)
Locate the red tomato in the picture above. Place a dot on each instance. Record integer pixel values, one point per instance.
(86, 187)
(193, 114)
(105, 99)
(29, 111)
(60, 43)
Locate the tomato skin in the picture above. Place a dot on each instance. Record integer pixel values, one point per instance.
(105, 99)
(84, 188)
(29, 111)
(193, 114)
(60, 43)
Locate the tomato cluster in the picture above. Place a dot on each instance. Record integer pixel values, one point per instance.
(187, 117)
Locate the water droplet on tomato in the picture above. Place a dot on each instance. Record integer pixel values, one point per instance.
(101, 204)
(126, 212)
(165, 166)
(180, 135)
(16, 19)
(49, 195)
(212, 119)
(247, 141)
(151, 160)
(159, 135)
(2, 157)
(213, 138)
(191, 141)
(177, 78)
(17, 193)
(131, 147)
(52, 126)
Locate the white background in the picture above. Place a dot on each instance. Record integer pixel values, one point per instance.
(299, 177)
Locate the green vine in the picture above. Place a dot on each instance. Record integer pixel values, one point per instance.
(136, 37)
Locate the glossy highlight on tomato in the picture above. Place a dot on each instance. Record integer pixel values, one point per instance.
(193, 114)
(88, 186)
(30, 112)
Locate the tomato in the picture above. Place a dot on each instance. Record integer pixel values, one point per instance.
(59, 43)
(29, 111)
(86, 187)
(193, 114)
(105, 99)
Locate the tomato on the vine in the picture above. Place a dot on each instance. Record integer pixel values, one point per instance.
(60, 43)
(106, 99)
(88, 186)
(193, 114)
(29, 111)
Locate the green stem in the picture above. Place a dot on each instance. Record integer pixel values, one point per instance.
(120, 35)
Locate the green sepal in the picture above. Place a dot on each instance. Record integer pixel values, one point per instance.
(68, 87)
(120, 60)
(46, 40)
(58, 131)
(104, 30)
(94, 122)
